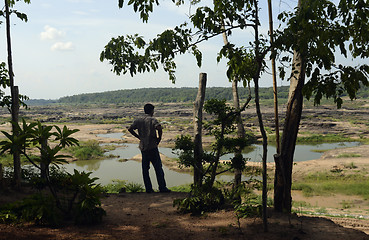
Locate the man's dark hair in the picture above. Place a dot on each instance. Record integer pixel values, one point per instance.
(148, 108)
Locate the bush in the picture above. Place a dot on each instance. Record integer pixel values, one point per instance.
(118, 186)
(88, 150)
(7, 216)
(74, 196)
(202, 199)
(134, 187)
(86, 195)
(35, 208)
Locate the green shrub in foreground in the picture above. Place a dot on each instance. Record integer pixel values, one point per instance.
(134, 187)
(36, 208)
(118, 186)
(76, 197)
(115, 187)
(202, 199)
(182, 188)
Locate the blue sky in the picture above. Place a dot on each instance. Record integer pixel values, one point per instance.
(56, 53)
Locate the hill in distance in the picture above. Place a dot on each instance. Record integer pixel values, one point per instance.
(167, 95)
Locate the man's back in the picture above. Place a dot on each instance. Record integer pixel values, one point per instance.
(146, 127)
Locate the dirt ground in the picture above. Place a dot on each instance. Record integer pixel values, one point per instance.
(152, 216)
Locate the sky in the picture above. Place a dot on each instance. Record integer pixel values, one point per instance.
(56, 53)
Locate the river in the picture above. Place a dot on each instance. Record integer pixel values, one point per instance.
(111, 168)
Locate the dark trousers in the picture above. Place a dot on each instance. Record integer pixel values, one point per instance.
(152, 156)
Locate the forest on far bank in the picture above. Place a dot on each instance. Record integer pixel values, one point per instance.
(168, 95)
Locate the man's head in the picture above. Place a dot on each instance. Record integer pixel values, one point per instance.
(149, 108)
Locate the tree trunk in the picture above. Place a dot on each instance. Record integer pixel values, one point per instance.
(15, 99)
(16, 155)
(265, 151)
(276, 119)
(44, 165)
(256, 77)
(1, 177)
(240, 128)
(284, 161)
(197, 119)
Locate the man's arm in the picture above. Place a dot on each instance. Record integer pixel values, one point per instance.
(132, 131)
(160, 133)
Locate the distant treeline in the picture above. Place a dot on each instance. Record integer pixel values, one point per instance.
(168, 95)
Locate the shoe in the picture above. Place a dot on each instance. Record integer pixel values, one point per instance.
(150, 191)
(165, 190)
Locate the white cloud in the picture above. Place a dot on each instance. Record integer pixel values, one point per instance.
(62, 46)
(51, 33)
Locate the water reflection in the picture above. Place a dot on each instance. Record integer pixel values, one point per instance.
(92, 165)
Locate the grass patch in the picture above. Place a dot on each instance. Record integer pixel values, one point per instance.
(134, 187)
(333, 183)
(320, 150)
(182, 188)
(328, 138)
(350, 165)
(119, 186)
(348, 155)
(115, 186)
(300, 204)
(7, 159)
(307, 189)
(322, 210)
(346, 204)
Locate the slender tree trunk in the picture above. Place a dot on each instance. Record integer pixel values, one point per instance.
(275, 91)
(1, 177)
(16, 155)
(43, 165)
(240, 128)
(218, 153)
(197, 119)
(258, 60)
(284, 161)
(15, 99)
(265, 151)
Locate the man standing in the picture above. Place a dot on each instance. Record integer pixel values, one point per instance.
(147, 127)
